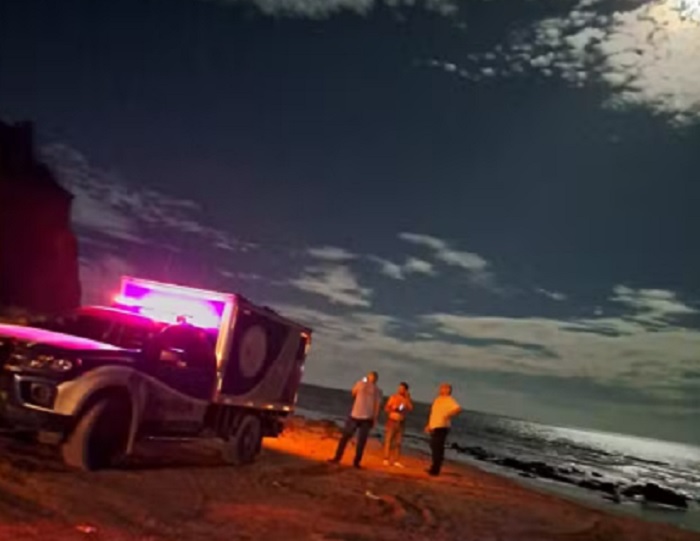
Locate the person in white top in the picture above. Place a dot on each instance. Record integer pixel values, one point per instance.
(444, 408)
(364, 414)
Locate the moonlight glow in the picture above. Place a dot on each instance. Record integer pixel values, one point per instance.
(689, 9)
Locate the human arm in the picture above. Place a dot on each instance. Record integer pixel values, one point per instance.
(455, 409)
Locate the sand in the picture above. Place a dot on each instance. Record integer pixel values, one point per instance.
(184, 492)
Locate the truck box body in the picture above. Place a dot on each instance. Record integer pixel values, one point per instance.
(259, 354)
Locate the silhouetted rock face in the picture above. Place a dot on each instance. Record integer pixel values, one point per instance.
(38, 250)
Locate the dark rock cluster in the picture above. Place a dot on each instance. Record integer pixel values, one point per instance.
(649, 493)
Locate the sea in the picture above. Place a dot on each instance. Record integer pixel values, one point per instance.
(620, 473)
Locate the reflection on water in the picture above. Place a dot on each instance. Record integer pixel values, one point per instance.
(618, 456)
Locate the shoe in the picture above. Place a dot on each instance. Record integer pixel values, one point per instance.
(333, 461)
(431, 472)
(398, 465)
(357, 466)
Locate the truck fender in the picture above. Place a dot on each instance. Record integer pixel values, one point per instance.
(73, 397)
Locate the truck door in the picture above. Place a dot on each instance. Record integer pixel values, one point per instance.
(184, 359)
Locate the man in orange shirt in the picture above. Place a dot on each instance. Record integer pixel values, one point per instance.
(398, 405)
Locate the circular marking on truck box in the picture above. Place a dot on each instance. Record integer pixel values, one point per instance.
(252, 351)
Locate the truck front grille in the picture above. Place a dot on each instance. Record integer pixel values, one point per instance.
(6, 348)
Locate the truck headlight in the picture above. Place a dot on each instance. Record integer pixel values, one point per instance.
(49, 362)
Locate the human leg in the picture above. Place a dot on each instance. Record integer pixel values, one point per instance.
(396, 445)
(363, 427)
(348, 431)
(389, 438)
(437, 444)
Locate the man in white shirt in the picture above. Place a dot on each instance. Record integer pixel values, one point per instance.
(444, 408)
(364, 414)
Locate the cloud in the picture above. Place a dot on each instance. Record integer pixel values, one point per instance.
(553, 295)
(331, 253)
(419, 266)
(399, 271)
(630, 364)
(336, 283)
(476, 266)
(646, 56)
(446, 254)
(655, 306)
(106, 205)
(322, 9)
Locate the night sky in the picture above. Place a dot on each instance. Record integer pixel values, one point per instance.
(499, 194)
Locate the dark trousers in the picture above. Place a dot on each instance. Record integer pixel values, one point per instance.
(362, 427)
(437, 445)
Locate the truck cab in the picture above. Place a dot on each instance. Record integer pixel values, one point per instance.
(163, 361)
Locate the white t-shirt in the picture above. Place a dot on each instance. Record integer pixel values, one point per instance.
(368, 398)
(438, 412)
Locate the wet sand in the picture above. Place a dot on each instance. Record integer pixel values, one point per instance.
(184, 492)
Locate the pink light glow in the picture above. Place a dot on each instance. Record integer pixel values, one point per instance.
(60, 340)
(171, 304)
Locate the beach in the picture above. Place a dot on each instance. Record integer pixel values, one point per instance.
(182, 491)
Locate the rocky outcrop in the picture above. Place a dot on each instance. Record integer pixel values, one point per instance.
(655, 494)
(38, 250)
(649, 493)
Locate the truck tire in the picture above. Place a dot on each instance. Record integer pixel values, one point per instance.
(99, 439)
(243, 446)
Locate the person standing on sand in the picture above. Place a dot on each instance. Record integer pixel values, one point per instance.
(444, 408)
(398, 405)
(364, 414)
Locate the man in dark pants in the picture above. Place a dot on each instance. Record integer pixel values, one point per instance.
(363, 417)
(444, 408)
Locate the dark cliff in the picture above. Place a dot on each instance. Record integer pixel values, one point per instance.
(38, 250)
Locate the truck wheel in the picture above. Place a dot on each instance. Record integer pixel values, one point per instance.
(99, 439)
(245, 444)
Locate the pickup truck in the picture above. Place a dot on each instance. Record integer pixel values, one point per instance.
(163, 361)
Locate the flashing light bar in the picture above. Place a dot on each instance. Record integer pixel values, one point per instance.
(170, 303)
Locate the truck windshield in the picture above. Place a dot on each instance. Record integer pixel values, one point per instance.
(120, 333)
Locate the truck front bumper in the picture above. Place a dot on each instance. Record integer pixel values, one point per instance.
(16, 414)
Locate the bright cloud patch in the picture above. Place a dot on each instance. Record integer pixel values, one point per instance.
(553, 295)
(443, 252)
(400, 271)
(331, 253)
(648, 56)
(655, 306)
(336, 283)
(447, 254)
